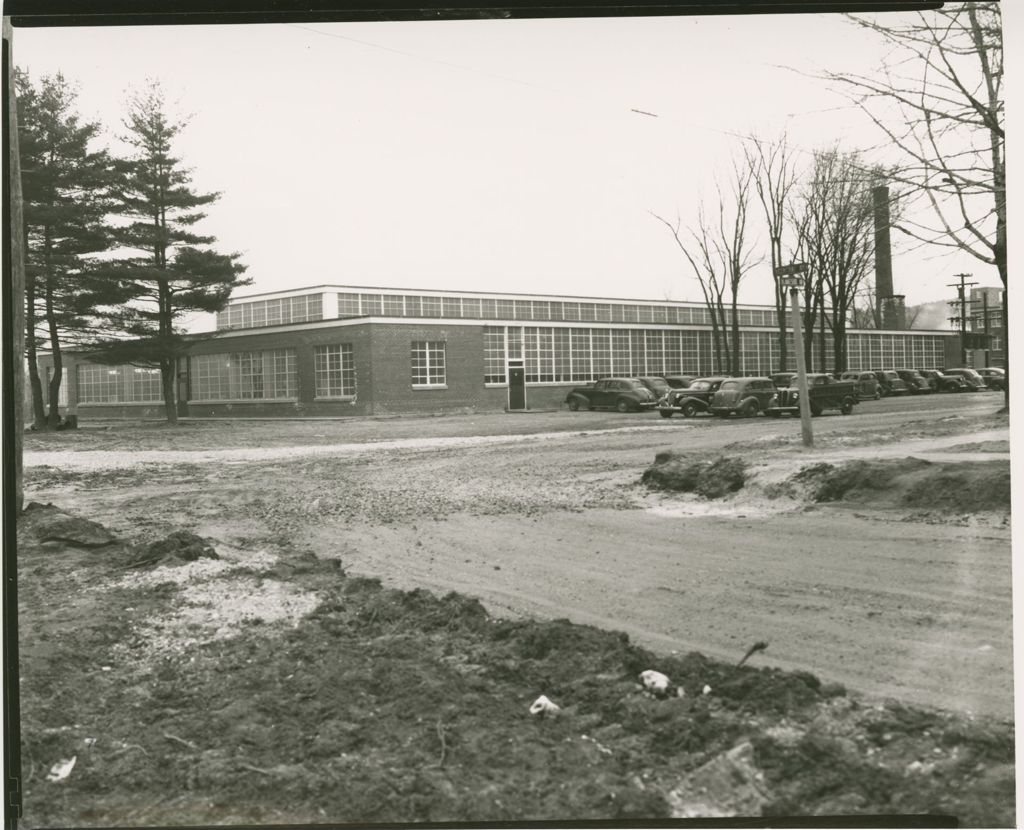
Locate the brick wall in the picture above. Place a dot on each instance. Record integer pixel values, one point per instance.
(304, 342)
(391, 359)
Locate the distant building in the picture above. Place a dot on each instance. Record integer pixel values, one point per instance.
(338, 350)
(985, 317)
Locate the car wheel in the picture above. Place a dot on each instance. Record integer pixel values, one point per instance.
(749, 409)
(622, 405)
(666, 413)
(878, 395)
(689, 410)
(815, 410)
(574, 405)
(847, 406)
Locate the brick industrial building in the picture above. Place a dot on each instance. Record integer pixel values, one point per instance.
(336, 350)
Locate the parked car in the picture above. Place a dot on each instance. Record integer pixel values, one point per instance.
(658, 385)
(917, 383)
(975, 381)
(944, 382)
(823, 391)
(995, 378)
(743, 396)
(889, 383)
(783, 379)
(867, 384)
(622, 394)
(680, 381)
(692, 400)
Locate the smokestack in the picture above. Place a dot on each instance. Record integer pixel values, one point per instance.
(883, 250)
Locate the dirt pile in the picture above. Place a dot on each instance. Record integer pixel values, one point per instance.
(381, 705)
(963, 487)
(51, 524)
(177, 547)
(712, 479)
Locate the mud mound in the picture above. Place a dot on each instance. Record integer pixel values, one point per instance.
(180, 546)
(385, 706)
(51, 524)
(967, 487)
(712, 479)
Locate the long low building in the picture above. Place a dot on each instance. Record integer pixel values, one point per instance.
(340, 350)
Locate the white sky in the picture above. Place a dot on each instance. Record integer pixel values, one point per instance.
(482, 155)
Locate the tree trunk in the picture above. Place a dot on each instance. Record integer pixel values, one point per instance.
(53, 418)
(36, 385)
(167, 382)
(822, 339)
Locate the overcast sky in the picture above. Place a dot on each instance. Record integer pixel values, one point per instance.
(483, 155)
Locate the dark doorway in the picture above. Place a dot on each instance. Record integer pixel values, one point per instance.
(516, 386)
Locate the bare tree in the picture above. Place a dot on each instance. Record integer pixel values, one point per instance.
(720, 256)
(698, 249)
(774, 176)
(939, 99)
(837, 236)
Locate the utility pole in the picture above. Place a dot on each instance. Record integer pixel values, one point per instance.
(962, 318)
(790, 277)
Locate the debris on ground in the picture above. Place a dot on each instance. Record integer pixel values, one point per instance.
(543, 706)
(728, 785)
(760, 645)
(62, 769)
(655, 682)
(51, 524)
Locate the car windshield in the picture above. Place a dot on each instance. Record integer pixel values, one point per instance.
(730, 384)
(891, 375)
(658, 384)
(700, 385)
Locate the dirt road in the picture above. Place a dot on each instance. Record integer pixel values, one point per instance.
(555, 524)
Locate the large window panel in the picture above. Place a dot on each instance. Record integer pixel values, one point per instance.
(428, 363)
(245, 376)
(334, 371)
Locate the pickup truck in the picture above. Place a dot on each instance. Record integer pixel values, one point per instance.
(825, 393)
(622, 394)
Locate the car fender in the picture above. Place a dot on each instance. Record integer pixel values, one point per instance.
(698, 402)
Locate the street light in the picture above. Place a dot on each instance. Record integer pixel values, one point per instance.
(791, 277)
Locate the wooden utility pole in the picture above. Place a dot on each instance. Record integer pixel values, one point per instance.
(790, 278)
(12, 323)
(14, 287)
(962, 318)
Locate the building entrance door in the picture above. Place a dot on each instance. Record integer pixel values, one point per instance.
(516, 385)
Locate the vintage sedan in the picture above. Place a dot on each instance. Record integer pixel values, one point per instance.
(621, 394)
(975, 381)
(994, 378)
(742, 396)
(867, 384)
(917, 383)
(658, 385)
(946, 383)
(692, 400)
(889, 383)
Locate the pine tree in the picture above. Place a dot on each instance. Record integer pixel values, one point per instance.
(165, 272)
(65, 201)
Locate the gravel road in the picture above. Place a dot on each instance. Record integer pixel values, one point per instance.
(554, 523)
